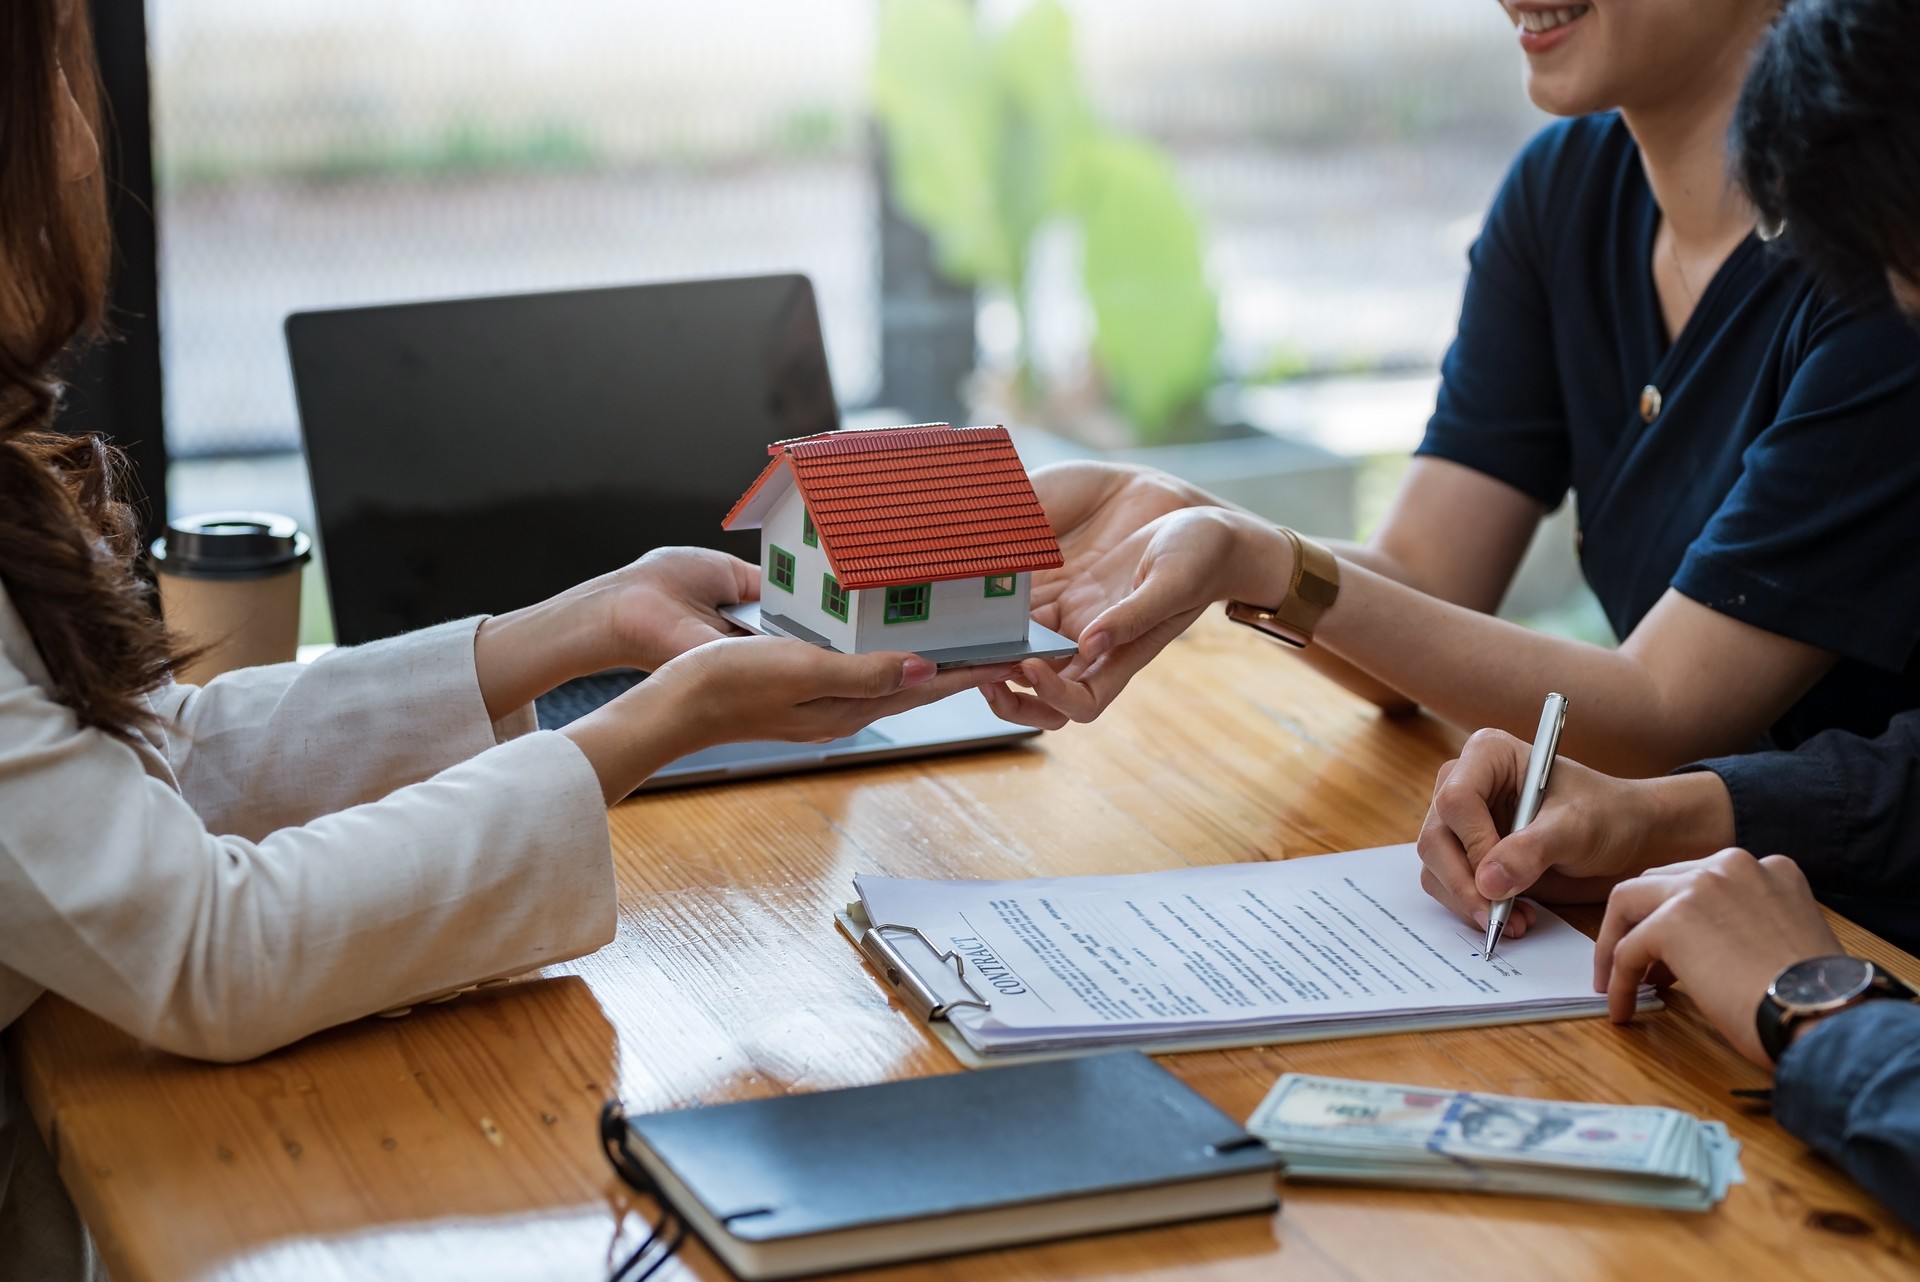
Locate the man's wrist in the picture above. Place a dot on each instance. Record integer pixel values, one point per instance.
(1682, 817)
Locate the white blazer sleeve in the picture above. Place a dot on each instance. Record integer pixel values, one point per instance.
(114, 894)
(263, 748)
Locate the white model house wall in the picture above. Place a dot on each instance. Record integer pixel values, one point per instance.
(784, 529)
(960, 613)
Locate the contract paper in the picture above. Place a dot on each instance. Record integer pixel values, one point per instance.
(1325, 945)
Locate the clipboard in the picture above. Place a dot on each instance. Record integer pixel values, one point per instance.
(931, 983)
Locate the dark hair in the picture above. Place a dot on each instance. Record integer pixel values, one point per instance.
(67, 542)
(1826, 136)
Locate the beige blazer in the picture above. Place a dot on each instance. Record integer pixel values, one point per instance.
(298, 846)
(293, 848)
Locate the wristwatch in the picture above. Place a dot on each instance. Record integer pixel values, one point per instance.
(1820, 986)
(1315, 585)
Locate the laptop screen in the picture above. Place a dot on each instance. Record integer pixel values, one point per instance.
(479, 455)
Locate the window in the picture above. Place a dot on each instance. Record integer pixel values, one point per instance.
(808, 535)
(780, 567)
(1000, 584)
(908, 604)
(833, 597)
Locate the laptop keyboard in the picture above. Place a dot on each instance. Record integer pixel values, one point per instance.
(568, 703)
(574, 700)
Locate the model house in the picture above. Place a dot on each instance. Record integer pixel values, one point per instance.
(917, 538)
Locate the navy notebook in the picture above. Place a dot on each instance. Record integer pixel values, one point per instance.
(933, 1165)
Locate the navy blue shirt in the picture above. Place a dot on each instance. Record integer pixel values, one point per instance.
(1779, 482)
(1850, 1087)
(1847, 810)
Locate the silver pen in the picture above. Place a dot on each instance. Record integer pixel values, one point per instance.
(1546, 742)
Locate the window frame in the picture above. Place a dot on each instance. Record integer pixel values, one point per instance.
(809, 533)
(775, 554)
(829, 589)
(1012, 581)
(922, 594)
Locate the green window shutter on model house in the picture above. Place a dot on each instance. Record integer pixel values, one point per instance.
(908, 603)
(780, 571)
(1000, 584)
(833, 597)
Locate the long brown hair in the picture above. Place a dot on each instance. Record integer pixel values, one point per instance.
(67, 542)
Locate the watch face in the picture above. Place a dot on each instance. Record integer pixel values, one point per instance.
(1822, 981)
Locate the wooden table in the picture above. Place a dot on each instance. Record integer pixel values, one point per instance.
(460, 1141)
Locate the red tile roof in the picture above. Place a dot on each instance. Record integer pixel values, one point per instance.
(912, 504)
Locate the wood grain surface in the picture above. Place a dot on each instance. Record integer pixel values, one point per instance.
(460, 1141)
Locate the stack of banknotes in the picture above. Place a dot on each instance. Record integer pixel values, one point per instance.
(1331, 1128)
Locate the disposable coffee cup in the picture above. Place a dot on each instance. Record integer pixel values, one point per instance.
(230, 588)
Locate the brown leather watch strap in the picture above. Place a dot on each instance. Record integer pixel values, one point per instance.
(1314, 586)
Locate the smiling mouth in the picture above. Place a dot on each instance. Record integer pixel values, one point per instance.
(1539, 20)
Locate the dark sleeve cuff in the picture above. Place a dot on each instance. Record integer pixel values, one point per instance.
(1785, 803)
(1850, 1088)
(1846, 809)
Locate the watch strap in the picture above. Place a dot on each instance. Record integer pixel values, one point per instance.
(1888, 984)
(1770, 1022)
(1311, 589)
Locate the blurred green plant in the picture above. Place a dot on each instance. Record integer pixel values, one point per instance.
(990, 138)
(810, 131)
(1284, 364)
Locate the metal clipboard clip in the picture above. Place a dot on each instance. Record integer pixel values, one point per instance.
(914, 990)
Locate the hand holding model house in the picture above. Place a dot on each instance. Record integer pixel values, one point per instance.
(920, 538)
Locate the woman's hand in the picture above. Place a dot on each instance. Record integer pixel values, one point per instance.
(1592, 831)
(1094, 509)
(640, 616)
(1128, 600)
(1116, 526)
(751, 688)
(1723, 926)
(667, 603)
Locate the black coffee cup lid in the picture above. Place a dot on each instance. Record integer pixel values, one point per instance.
(231, 545)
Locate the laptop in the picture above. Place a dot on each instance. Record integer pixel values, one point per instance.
(477, 455)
